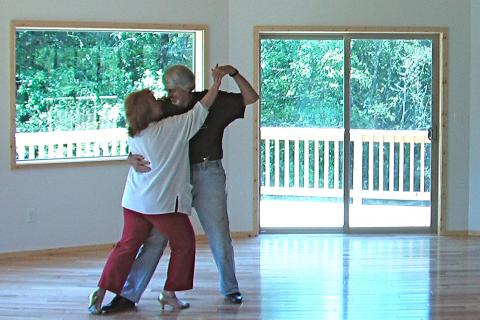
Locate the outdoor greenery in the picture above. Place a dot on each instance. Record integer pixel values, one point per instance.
(74, 80)
(302, 85)
(78, 80)
(70, 80)
(390, 85)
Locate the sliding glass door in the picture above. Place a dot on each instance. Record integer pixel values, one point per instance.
(390, 118)
(301, 128)
(361, 102)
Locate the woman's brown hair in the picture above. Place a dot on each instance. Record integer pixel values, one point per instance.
(138, 111)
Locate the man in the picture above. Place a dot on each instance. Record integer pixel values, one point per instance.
(208, 180)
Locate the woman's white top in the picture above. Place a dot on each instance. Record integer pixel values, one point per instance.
(165, 145)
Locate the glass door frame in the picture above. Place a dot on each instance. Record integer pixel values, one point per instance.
(434, 205)
(439, 106)
(304, 36)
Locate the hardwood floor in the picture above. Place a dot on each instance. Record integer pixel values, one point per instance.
(329, 277)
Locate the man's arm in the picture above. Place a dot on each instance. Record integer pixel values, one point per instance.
(248, 93)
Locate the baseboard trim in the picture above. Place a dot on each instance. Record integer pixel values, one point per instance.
(54, 251)
(461, 233)
(456, 233)
(100, 247)
(234, 235)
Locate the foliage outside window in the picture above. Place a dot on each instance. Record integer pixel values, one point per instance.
(302, 86)
(302, 83)
(71, 82)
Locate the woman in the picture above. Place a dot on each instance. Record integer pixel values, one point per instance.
(160, 198)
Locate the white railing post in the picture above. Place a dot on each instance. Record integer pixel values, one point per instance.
(361, 139)
(61, 144)
(267, 162)
(356, 192)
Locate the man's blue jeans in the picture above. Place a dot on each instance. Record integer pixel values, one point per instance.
(210, 202)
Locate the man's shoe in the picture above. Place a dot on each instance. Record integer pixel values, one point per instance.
(118, 304)
(234, 297)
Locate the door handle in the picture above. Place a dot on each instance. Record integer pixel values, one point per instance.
(432, 133)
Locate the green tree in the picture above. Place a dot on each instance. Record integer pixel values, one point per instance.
(302, 83)
(391, 84)
(74, 80)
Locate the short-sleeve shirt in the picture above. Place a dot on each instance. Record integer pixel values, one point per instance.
(207, 143)
(165, 144)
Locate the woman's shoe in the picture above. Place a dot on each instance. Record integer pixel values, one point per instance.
(169, 298)
(92, 306)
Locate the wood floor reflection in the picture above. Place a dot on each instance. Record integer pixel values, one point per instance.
(330, 277)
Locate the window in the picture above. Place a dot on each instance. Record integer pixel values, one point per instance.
(69, 82)
(351, 128)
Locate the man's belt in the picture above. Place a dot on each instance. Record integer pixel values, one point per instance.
(204, 160)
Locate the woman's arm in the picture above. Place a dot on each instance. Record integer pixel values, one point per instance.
(208, 99)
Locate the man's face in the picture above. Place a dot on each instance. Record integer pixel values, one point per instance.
(179, 97)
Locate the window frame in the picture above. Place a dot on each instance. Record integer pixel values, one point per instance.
(440, 98)
(200, 64)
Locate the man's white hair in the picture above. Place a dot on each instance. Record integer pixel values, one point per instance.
(179, 77)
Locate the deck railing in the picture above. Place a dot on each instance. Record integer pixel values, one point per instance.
(71, 144)
(386, 164)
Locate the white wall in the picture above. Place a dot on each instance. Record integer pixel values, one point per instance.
(442, 13)
(474, 209)
(81, 205)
